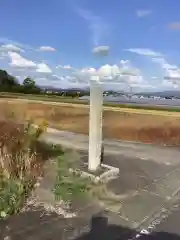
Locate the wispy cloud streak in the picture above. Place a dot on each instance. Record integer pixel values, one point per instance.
(143, 12)
(21, 45)
(95, 23)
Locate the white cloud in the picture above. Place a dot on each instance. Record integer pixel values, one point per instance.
(169, 84)
(145, 52)
(102, 50)
(59, 81)
(20, 62)
(107, 71)
(10, 47)
(5, 48)
(113, 74)
(3, 55)
(20, 77)
(155, 77)
(14, 46)
(59, 66)
(127, 69)
(47, 49)
(43, 81)
(124, 62)
(83, 75)
(43, 68)
(171, 73)
(65, 67)
(122, 73)
(56, 76)
(143, 12)
(7, 41)
(164, 64)
(23, 64)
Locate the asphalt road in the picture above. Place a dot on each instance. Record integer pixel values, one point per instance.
(171, 224)
(37, 225)
(169, 229)
(167, 155)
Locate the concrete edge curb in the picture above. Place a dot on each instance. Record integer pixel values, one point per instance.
(111, 173)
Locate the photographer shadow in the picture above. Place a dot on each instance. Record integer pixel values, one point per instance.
(101, 230)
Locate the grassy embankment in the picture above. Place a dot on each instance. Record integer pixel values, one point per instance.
(147, 126)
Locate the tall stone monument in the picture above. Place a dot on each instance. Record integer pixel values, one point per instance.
(95, 123)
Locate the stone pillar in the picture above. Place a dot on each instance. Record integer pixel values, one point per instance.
(95, 124)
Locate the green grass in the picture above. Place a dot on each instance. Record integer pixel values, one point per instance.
(69, 185)
(12, 196)
(44, 97)
(14, 191)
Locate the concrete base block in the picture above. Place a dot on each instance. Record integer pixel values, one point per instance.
(104, 173)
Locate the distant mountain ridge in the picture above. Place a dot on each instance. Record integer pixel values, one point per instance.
(50, 88)
(168, 93)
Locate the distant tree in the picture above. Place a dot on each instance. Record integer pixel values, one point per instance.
(28, 82)
(84, 93)
(7, 82)
(72, 94)
(29, 86)
(18, 89)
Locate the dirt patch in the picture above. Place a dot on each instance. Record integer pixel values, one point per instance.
(116, 124)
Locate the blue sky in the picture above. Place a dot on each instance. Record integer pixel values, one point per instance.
(52, 41)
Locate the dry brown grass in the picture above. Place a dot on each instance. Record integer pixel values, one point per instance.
(22, 158)
(120, 125)
(18, 156)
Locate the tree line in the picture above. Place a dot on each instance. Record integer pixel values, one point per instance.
(9, 83)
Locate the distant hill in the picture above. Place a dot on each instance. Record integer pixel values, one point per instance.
(170, 93)
(51, 88)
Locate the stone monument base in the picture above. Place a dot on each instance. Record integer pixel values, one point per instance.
(103, 174)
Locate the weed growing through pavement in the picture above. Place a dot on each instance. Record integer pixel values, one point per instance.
(68, 184)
